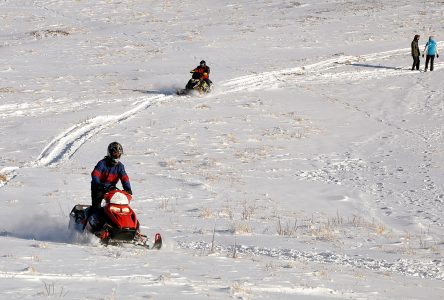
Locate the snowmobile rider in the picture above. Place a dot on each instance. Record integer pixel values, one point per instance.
(106, 174)
(204, 71)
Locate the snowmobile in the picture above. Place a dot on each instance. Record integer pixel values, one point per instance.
(114, 224)
(196, 85)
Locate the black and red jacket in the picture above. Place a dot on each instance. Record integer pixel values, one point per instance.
(106, 175)
(204, 72)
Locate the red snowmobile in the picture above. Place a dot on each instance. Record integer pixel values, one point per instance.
(115, 223)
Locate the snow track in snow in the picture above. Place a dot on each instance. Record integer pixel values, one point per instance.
(68, 142)
(63, 146)
(338, 69)
(406, 267)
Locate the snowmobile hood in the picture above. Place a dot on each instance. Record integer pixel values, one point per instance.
(118, 197)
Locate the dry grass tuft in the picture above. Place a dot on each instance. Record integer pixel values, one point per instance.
(241, 228)
(248, 211)
(286, 229)
(239, 290)
(39, 34)
(7, 90)
(206, 213)
(3, 178)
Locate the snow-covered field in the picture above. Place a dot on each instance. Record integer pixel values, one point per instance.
(314, 171)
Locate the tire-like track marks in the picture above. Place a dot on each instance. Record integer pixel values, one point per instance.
(63, 146)
(68, 142)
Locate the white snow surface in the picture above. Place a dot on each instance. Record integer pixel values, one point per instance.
(314, 171)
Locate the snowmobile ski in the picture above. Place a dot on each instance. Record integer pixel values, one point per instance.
(141, 241)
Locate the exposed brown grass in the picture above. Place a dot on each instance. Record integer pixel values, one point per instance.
(39, 34)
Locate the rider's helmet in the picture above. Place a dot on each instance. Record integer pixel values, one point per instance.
(115, 151)
(203, 63)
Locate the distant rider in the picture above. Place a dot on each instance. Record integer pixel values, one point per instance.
(431, 50)
(106, 174)
(204, 71)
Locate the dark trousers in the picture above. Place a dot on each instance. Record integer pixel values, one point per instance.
(415, 63)
(96, 200)
(430, 58)
(95, 208)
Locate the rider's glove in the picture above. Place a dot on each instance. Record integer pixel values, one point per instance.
(109, 188)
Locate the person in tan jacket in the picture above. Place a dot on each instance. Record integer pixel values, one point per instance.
(415, 52)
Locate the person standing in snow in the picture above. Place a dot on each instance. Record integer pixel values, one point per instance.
(415, 52)
(431, 50)
(204, 71)
(106, 174)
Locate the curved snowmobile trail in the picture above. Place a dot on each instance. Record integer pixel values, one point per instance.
(342, 69)
(67, 143)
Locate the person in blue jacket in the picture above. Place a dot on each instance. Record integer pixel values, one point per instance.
(431, 50)
(106, 174)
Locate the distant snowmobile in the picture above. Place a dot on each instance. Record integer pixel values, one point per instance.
(116, 223)
(196, 84)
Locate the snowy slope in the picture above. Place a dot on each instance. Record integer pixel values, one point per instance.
(314, 171)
